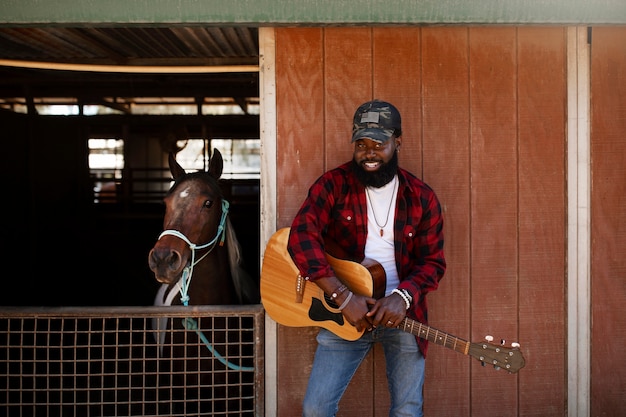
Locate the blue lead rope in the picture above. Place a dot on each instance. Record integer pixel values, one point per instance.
(191, 324)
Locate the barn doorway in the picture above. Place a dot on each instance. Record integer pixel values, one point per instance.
(71, 96)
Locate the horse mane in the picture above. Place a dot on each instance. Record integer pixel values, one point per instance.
(245, 288)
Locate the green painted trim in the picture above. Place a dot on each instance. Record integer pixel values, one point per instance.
(309, 12)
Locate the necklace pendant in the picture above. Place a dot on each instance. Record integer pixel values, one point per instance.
(381, 232)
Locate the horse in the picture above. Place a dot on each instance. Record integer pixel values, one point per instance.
(198, 257)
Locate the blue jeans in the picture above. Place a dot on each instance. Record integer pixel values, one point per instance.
(336, 360)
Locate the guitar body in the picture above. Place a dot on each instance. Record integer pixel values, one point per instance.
(280, 294)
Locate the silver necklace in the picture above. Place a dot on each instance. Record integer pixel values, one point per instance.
(391, 200)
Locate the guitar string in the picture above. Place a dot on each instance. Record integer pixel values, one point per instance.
(395, 185)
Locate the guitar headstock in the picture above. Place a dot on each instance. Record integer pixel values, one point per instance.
(500, 356)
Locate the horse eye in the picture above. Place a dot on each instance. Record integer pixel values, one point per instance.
(208, 203)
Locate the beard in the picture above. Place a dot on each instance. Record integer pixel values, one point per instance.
(381, 176)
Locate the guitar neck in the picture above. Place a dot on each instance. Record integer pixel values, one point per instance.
(433, 335)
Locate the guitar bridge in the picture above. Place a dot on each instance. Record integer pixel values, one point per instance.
(300, 283)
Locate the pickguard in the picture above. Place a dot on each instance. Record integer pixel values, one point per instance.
(318, 312)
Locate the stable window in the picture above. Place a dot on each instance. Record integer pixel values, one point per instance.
(242, 157)
(115, 181)
(106, 164)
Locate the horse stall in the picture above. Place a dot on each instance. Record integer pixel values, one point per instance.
(77, 325)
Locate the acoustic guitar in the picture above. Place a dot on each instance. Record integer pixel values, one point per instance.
(291, 301)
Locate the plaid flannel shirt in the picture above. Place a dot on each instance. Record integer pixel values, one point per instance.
(336, 207)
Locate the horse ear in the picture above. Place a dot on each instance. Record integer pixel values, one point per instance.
(216, 165)
(175, 168)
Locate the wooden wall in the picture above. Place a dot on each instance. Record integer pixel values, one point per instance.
(484, 116)
(608, 221)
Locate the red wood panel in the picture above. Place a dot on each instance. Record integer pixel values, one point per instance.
(397, 79)
(608, 224)
(494, 209)
(300, 107)
(445, 127)
(300, 139)
(347, 84)
(541, 55)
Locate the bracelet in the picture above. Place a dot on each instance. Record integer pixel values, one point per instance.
(340, 290)
(404, 297)
(346, 301)
(408, 294)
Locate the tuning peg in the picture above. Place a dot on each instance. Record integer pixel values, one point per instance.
(515, 345)
(496, 367)
(502, 342)
(489, 338)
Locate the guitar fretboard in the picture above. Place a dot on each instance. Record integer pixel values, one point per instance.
(433, 335)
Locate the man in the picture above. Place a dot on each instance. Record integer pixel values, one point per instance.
(371, 208)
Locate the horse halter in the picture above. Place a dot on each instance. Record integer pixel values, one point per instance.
(185, 279)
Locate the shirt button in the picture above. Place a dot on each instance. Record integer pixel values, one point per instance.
(410, 234)
(349, 218)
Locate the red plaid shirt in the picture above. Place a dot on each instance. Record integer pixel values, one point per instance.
(336, 207)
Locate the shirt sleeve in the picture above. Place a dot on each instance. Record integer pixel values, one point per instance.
(306, 242)
(424, 264)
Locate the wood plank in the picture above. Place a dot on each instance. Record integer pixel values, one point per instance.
(347, 84)
(494, 211)
(445, 89)
(299, 103)
(300, 131)
(608, 228)
(397, 79)
(541, 54)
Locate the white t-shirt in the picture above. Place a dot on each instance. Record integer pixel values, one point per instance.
(381, 208)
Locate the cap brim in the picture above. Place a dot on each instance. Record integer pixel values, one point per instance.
(379, 135)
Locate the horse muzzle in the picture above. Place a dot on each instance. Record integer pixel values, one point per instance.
(167, 264)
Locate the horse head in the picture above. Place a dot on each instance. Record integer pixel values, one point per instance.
(194, 222)
(198, 239)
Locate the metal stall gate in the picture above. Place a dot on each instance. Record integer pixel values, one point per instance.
(106, 361)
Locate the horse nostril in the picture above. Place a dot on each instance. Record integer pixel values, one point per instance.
(173, 259)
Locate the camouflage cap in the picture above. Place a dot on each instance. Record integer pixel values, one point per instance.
(376, 120)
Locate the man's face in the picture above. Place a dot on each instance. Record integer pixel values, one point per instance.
(376, 163)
